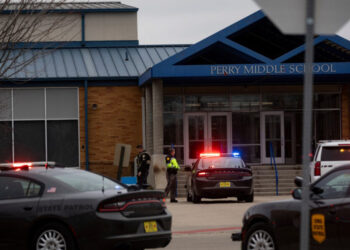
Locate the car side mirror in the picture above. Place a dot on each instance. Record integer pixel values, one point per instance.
(298, 181)
(248, 166)
(188, 168)
(297, 194)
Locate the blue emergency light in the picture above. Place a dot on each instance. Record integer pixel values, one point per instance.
(236, 154)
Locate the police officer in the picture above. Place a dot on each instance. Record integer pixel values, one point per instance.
(143, 162)
(172, 168)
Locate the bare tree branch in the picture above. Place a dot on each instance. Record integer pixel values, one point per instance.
(29, 22)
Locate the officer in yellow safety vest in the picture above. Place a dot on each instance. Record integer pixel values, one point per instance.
(172, 168)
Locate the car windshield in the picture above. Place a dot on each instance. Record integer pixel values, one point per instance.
(335, 153)
(85, 181)
(221, 162)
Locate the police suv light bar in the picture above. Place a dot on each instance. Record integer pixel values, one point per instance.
(210, 155)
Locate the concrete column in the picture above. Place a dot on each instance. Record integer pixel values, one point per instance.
(158, 158)
(157, 98)
(149, 119)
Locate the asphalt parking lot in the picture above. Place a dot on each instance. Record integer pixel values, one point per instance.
(209, 225)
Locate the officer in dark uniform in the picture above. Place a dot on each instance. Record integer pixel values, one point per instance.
(171, 174)
(143, 161)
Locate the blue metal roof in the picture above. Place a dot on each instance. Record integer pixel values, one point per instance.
(89, 63)
(65, 7)
(252, 47)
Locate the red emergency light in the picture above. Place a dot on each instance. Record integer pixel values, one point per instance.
(210, 155)
(22, 164)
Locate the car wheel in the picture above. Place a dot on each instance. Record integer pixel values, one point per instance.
(196, 198)
(259, 236)
(189, 196)
(249, 198)
(53, 236)
(240, 198)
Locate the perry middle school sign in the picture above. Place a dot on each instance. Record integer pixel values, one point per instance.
(259, 69)
(244, 70)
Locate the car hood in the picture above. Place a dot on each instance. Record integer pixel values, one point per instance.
(268, 208)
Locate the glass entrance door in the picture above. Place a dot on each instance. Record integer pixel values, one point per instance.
(206, 132)
(219, 132)
(195, 134)
(272, 137)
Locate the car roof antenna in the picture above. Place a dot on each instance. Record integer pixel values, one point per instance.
(103, 184)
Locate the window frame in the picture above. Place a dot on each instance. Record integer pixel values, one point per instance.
(29, 180)
(12, 120)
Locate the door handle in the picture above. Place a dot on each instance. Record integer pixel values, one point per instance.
(27, 208)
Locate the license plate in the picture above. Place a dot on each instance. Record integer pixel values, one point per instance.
(225, 184)
(150, 226)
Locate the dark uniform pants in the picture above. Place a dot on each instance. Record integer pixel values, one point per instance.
(142, 180)
(171, 186)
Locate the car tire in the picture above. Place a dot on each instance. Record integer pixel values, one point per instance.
(249, 198)
(53, 234)
(195, 198)
(189, 197)
(240, 198)
(259, 236)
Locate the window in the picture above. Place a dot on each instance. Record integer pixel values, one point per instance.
(334, 186)
(207, 103)
(84, 181)
(16, 188)
(246, 136)
(335, 154)
(41, 125)
(221, 162)
(173, 126)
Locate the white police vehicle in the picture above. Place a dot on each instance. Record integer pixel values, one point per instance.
(329, 155)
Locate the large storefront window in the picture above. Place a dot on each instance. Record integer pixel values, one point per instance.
(173, 126)
(327, 125)
(246, 136)
(247, 121)
(42, 125)
(207, 103)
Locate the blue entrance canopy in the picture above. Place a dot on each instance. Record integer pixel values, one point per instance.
(251, 48)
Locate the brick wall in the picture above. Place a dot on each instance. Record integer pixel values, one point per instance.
(345, 116)
(117, 119)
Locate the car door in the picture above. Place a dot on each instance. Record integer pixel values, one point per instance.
(343, 209)
(19, 198)
(329, 197)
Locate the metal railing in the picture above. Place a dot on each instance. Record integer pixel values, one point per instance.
(273, 161)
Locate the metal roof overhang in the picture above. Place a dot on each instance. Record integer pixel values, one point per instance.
(253, 51)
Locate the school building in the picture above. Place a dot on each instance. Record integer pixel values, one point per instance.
(237, 90)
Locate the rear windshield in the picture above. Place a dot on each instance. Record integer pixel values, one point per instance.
(221, 162)
(335, 154)
(84, 181)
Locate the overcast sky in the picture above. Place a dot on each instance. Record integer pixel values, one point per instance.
(189, 21)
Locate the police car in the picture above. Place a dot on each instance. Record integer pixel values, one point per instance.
(329, 155)
(216, 175)
(276, 225)
(57, 208)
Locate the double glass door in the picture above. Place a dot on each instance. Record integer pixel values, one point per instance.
(206, 132)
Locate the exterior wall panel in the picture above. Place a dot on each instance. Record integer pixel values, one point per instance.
(109, 26)
(345, 115)
(117, 119)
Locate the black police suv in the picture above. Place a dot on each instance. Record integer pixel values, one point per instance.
(55, 208)
(216, 175)
(276, 225)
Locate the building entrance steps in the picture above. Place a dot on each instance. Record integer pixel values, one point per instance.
(264, 180)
